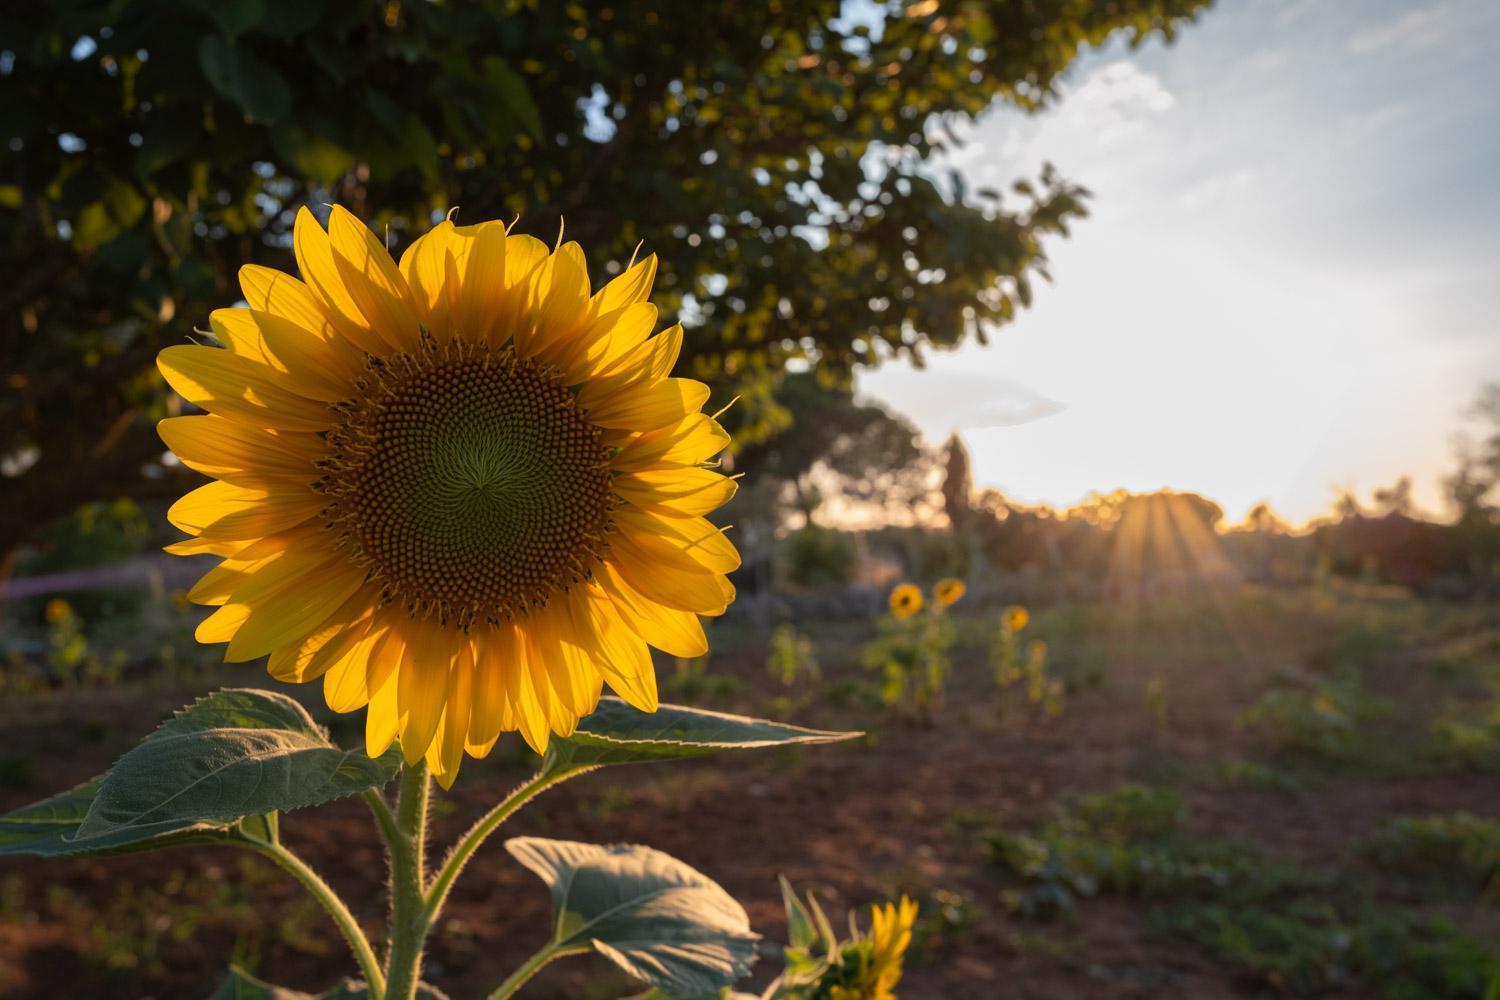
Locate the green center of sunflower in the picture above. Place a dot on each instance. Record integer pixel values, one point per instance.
(469, 482)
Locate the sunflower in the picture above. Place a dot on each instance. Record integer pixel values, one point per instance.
(1015, 618)
(463, 491)
(948, 592)
(881, 953)
(906, 600)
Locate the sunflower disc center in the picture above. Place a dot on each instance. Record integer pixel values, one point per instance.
(469, 482)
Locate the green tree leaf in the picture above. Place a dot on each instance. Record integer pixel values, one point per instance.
(238, 74)
(47, 829)
(234, 17)
(119, 207)
(661, 921)
(311, 153)
(615, 733)
(232, 754)
(517, 98)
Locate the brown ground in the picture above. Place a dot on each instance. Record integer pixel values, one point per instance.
(857, 821)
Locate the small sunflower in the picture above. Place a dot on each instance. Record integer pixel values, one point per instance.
(464, 491)
(880, 966)
(948, 592)
(906, 600)
(1015, 618)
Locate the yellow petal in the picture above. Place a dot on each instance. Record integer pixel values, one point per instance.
(618, 652)
(560, 653)
(309, 366)
(286, 609)
(702, 593)
(486, 305)
(226, 511)
(425, 266)
(497, 656)
(314, 655)
(650, 360)
(607, 338)
(530, 695)
(677, 633)
(690, 538)
(344, 686)
(524, 258)
(224, 383)
(273, 293)
(562, 301)
(647, 407)
(423, 681)
(447, 751)
(629, 288)
(385, 659)
(220, 583)
(382, 720)
(206, 546)
(690, 492)
(320, 270)
(697, 438)
(373, 280)
(310, 657)
(222, 624)
(245, 456)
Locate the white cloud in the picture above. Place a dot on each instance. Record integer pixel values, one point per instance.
(1416, 29)
(940, 401)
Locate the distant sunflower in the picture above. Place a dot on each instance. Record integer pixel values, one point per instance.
(464, 491)
(882, 953)
(948, 592)
(906, 600)
(1015, 617)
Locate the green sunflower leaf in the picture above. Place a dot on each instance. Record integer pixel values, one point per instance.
(661, 921)
(233, 754)
(617, 734)
(47, 829)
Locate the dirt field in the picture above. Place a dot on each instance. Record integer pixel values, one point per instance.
(1251, 855)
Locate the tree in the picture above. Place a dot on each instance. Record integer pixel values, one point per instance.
(778, 157)
(1395, 499)
(1263, 520)
(1471, 487)
(836, 443)
(958, 483)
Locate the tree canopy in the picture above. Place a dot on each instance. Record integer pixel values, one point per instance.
(781, 158)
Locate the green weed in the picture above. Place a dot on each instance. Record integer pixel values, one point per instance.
(1459, 852)
(1297, 931)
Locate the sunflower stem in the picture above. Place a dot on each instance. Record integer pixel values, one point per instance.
(532, 966)
(487, 824)
(384, 818)
(320, 890)
(409, 921)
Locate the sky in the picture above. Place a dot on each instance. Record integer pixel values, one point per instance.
(1289, 282)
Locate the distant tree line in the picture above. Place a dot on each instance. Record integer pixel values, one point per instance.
(1122, 541)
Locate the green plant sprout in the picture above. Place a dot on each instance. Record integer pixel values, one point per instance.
(911, 649)
(793, 657)
(1012, 667)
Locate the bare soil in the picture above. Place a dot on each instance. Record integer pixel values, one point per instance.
(894, 812)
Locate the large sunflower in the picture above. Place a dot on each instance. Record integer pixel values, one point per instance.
(464, 491)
